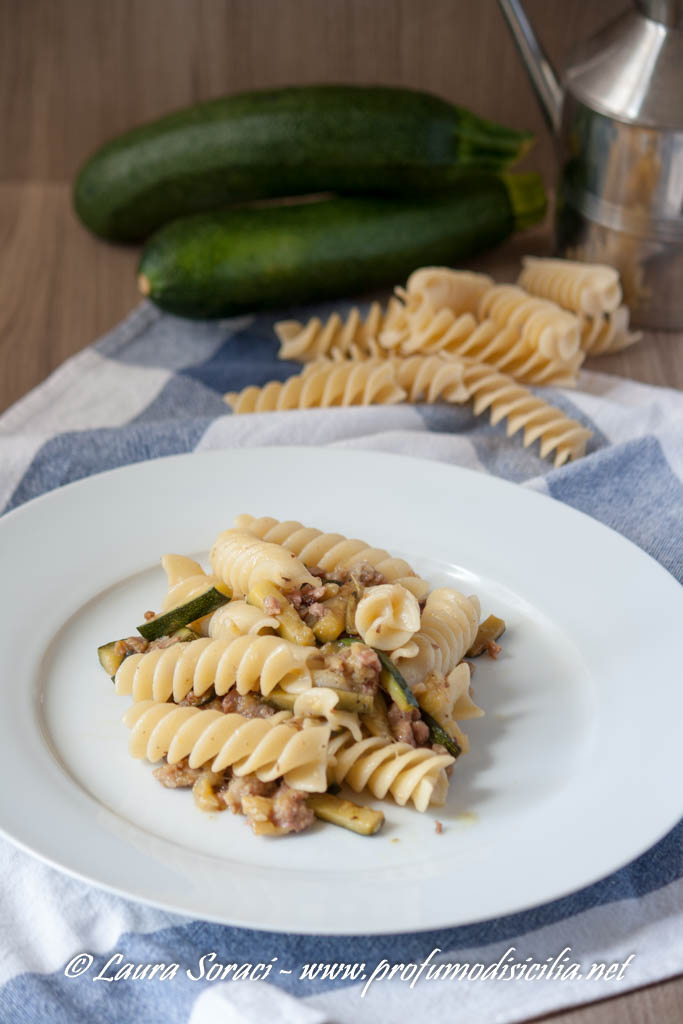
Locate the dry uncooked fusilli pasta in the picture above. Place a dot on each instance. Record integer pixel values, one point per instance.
(321, 385)
(588, 288)
(270, 748)
(245, 662)
(447, 630)
(242, 560)
(609, 333)
(432, 378)
(387, 616)
(332, 551)
(389, 767)
(432, 288)
(543, 325)
(559, 434)
(352, 338)
(441, 331)
(449, 378)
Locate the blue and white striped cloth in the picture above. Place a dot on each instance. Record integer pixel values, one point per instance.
(153, 387)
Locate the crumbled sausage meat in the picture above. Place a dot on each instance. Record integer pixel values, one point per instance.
(131, 645)
(237, 788)
(246, 704)
(407, 726)
(356, 666)
(177, 776)
(163, 641)
(290, 810)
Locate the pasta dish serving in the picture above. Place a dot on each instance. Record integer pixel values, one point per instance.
(303, 668)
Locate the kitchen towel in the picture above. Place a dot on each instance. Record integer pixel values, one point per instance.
(154, 387)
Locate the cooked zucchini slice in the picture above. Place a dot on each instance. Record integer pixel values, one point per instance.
(169, 622)
(489, 630)
(328, 807)
(110, 658)
(292, 627)
(349, 700)
(393, 683)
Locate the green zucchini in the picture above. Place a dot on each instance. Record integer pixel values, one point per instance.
(169, 622)
(284, 142)
(234, 261)
(110, 658)
(349, 700)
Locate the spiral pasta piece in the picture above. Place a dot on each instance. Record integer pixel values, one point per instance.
(558, 433)
(321, 702)
(352, 338)
(269, 748)
(504, 349)
(186, 580)
(323, 384)
(245, 662)
(452, 379)
(242, 560)
(447, 630)
(388, 767)
(237, 618)
(387, 616)
(601, 335)
(543, 325)
(441, 331)
(332, 551)
(433, 288)
(432, 378)
(589, 288)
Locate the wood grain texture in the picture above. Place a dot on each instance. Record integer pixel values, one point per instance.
(75, 72)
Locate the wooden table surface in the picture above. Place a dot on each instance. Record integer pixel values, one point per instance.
(73, 72)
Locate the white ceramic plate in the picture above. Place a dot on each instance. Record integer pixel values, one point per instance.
(574, 770)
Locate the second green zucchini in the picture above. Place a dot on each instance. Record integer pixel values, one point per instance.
(235, 261)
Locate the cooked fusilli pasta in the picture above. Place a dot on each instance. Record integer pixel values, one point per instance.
(242, 560)
(246, 662)
(186, 580)
(588, 288)
(387, 616)
(448, 699)
(270, 748)
(321, 702)
(385, 767)
(332, 551)
(237, 618)
(448, 627)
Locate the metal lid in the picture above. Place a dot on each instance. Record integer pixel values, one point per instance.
(667, 12)
(633, 69)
